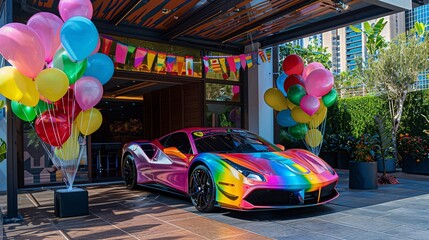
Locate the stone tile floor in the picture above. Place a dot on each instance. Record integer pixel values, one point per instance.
(399, 211)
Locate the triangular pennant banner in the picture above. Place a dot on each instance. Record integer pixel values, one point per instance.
(237, 63)
(140, 55)
(249, 61)
(150, 57)
(171, 59)
(214, 64)
(243, 61)
(107, 44)
(255, 58)
(223, 67)
(160, 61)
(231, 64)
(261, 54)
(121, 52)
(189, 66)
(180, 61)
(206, 64)
(268, 53)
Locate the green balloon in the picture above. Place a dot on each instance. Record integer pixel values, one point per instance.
(41, 107)
(296, 93)
(330, 98)
(298, 131)
(25, 113)
(73, 70)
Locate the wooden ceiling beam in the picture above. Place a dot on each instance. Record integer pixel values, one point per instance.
(199, 16)
(269, 18)
(125, 12)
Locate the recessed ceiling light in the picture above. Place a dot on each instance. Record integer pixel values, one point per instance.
(166, 11)
(118, 86)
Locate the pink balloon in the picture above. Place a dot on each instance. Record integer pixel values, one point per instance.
(88, 92)
(21, 47)
(319, 82)
(47, 26)
(311, 67)
(73, 8)
(309, 104)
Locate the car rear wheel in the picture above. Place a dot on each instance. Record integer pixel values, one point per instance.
(202, 189)
(129, 172)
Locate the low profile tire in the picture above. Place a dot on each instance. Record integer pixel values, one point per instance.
(129, 173)
(202, 189)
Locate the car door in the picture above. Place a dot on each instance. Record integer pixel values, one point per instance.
(170, 170)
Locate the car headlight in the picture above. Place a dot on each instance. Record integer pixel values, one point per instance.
(246, 172)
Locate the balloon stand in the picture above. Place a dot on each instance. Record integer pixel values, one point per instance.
(71, 203)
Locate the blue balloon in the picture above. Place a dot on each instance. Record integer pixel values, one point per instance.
(280, 83)
(284, 118)
(101, 67)
(79, 37)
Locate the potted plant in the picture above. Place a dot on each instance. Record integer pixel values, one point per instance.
(386, 162)
(344, 145)
(363, 167)
(327, 152)
(414, 153)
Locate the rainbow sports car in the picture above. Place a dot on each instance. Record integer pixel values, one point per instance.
(229, 168)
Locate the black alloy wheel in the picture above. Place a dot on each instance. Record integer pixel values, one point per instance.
(202, 189)
(129, 173)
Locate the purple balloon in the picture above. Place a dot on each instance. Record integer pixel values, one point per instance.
(88, 92)
(309, 104)
(21, 46)
(48, 27)
(319, 82)
(73, 8)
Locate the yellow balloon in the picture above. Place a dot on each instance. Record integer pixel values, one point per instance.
(290, 104)
(321, 108)
(69, 150)
(89, 121)
(300, 116)
(318, 118)
(12, 83)
(313, 137)
(52, 84)
(31, 95)
(275, 99)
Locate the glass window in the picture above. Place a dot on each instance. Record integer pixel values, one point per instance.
(179, 140)
(222, 92)
(222, 115)
(184, 61)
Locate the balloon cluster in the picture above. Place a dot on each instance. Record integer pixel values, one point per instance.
(56, 75)
(302, 97)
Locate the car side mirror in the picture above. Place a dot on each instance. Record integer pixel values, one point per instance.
(281, 147)
(175, 152)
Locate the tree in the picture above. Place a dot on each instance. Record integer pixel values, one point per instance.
(314, 52)
(396, 69)
(374, 40)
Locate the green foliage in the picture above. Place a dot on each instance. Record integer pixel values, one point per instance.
(374, 40)
(385, 144)
(416, 105)
(312, 53)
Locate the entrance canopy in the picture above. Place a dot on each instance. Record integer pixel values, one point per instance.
(226, 25)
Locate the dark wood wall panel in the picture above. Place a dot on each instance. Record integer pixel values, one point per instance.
(173, 108)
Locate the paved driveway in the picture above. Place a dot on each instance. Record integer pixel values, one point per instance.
(397, 212)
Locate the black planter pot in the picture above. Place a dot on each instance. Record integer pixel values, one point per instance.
(71, 203)
(363, 175)
(330, 158)
(343, 159)
(411, 165)
(390, 165)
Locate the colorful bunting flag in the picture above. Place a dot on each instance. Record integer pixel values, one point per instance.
(231, 64)
(160, 61)
(243, 61)
(189, 66)
(180, 61)
(171, 59)
(223, 67)
(268, 53)
(261, 54)
(249, 61)
(206, 64)
(150, 57)
(107, 44)
(255, 58)
(121, 52)
(140, 55)
(215, 65)
(237, 61)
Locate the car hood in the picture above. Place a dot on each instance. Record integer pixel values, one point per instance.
(294, 161)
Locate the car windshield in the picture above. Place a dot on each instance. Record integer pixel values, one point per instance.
(231, 141)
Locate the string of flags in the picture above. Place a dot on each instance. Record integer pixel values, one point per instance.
(169, 62)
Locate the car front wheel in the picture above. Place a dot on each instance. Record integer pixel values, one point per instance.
(129, 173)
(202, 189)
